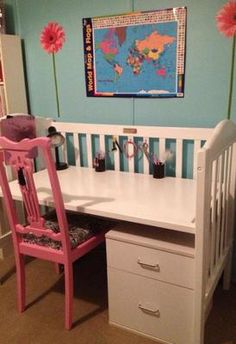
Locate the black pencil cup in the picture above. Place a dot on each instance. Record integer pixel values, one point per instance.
(158, 170)
(99, 165)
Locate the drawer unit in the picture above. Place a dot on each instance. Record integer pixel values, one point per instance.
(151, 281)
(154, 253)
(153, 263)
(156, 309)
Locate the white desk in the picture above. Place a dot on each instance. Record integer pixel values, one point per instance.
(168, 202)
(177, 279)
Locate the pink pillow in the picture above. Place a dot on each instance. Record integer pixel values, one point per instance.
(18, 128)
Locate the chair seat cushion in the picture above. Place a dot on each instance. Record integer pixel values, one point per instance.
(81, 228)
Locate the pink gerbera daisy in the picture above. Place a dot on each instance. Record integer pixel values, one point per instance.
(226, 19)
(52, 37)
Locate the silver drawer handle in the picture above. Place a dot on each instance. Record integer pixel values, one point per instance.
(150, 310)
(153, 266)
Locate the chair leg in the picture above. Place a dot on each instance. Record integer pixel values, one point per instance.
(20, 280)
(69, 291)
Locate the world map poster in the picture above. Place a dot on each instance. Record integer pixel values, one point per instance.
(139, 54)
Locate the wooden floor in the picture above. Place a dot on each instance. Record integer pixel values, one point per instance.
(43, 320)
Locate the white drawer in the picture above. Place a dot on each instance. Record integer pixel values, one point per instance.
(150, 307)
(150, 262)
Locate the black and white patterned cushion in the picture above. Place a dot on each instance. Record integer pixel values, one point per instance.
(81, 228)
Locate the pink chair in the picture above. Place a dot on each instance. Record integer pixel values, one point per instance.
(61, 238)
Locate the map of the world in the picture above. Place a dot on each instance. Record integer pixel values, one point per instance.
(134, 55)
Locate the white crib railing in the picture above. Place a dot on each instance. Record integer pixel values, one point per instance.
(216, 174)
(85, 139)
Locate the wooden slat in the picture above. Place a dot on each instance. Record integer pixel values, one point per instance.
(76, 148)
(224, 189)
(89, 150)
(230, 219)
(228, 183)
(213, 216)
(179, 158)
(130, 150)
(219, 205)
(102, 143)
(64, 148)
(117, 157)
(146, 162)
(197, 146)
(162, 148)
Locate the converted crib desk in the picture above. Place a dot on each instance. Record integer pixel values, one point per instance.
(203, 206)
(145, 261)
(181, 259)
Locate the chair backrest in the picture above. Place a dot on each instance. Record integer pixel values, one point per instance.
(20, 156)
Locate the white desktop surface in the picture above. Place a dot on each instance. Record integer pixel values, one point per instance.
(169, 202)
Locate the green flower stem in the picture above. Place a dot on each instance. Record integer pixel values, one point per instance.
(56, 88)
(231, 79)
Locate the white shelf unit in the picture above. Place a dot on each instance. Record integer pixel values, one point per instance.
(12, 85)
(12, 100)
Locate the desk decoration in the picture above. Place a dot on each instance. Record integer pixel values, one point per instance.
(159, 164)
(126, 149)
(99, 162)
(144, 149)
(52, 39)
(158, 169)
(226, 24)
(115, 144)
(57, 140)
(138, 54)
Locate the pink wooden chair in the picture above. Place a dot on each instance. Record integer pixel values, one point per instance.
(62, 238)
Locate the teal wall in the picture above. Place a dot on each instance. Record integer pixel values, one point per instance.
(208, 55)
